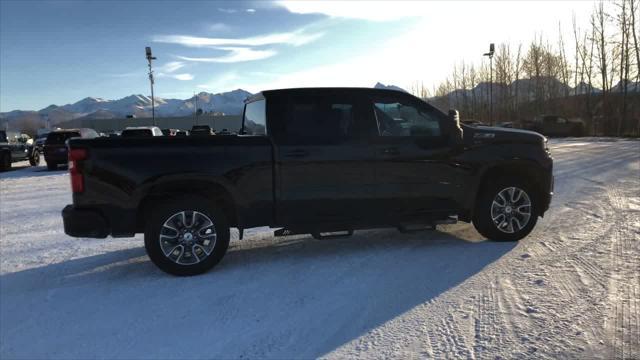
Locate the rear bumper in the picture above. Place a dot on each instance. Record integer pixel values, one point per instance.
(60, 158)
(84, 223)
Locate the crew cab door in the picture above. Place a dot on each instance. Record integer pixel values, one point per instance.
(415, 172)
(324, 162)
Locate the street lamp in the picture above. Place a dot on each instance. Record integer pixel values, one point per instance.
(490, 55)
(153, 104)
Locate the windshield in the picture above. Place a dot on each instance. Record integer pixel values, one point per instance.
(60, 137)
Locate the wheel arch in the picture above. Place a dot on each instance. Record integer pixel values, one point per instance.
(527, 170)
(210, 190)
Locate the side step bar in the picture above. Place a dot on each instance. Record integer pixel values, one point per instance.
(332, 234)
(316, 234)
(412, 228)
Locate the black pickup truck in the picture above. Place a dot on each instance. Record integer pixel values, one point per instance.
(323, 161)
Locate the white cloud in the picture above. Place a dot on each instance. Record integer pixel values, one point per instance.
(183, 77)
(171, 66)
(219, 27)
(227, 11)
(236, 54)
(295, 38)
(367, 10)
(251, 10)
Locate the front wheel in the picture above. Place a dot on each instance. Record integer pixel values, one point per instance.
(186, 236)
(34, 159)
(506, 210)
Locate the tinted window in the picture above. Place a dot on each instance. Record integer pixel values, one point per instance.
(3, 136)
(318, 119)
(137, 133)
(61, 137)
(399, 117)
(255, 122)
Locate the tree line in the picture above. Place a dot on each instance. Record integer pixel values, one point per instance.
(600, 84)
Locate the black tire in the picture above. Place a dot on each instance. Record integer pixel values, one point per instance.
(483, 219)
(5, 162)
(52, 166)
(163, 212)
(34, 159)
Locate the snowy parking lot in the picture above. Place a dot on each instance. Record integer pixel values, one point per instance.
(571, 289)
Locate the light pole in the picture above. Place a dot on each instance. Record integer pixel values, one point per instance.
(153, 104)
(490, 55)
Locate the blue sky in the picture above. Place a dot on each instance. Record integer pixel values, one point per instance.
(59, 52)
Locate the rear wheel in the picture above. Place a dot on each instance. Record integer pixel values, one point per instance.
(506, 210)
(186, 236)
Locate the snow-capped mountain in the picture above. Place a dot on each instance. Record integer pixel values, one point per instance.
(380, 85)
(230, 103)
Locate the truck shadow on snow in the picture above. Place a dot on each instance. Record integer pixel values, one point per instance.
(292, 297)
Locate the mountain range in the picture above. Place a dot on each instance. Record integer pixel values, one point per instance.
(230, 103)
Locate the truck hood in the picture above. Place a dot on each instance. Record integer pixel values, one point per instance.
(494, 135)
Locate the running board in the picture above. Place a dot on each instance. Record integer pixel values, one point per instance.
(452, 219)
(413, 228)
(316, 235)
(332, 234)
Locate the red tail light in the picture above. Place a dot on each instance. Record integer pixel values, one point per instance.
(77, 179)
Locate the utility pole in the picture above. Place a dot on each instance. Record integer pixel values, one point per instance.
(153, 104)
(490, 55)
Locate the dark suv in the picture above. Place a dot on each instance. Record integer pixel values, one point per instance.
(14, 147)
(55, 148)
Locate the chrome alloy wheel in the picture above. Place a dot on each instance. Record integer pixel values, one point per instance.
(511, 210)
(187, 237)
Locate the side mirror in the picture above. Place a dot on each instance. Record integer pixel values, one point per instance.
(455, 132)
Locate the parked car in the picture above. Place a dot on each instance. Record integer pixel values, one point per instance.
(55, 148)
(554, 125)
(473, 123)
(201, 130)
(322, 161)
(14, 147)
(182, 132)
(169, 132)
(225, 132)
(141, 131)
(37, 149)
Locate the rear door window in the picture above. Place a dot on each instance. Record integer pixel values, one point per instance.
(320, 120)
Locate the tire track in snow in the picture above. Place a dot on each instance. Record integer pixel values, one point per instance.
(623, 318)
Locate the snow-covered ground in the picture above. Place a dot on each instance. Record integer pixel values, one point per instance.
(569, 290)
